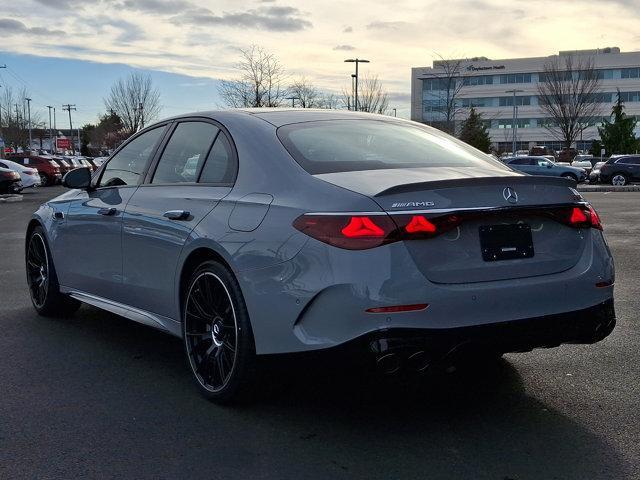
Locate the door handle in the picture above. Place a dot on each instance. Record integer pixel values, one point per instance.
(177, 215)
(107, 211)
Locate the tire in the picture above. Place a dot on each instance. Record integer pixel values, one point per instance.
(217, 335)
(571, 176)
(42, 280)
(44, 179)
(619, 179)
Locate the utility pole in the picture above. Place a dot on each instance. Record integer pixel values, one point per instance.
(55, 128)
(50, 131)
(67, 108)
(353, 87)
(515, 114)
(356, 61)
(29, 110)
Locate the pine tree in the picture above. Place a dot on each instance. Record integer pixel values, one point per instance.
(618, 136)
(474, 132)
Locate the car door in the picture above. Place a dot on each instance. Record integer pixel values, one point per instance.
(631, 166)
(197, 168)
(90, 234)
(542, 166)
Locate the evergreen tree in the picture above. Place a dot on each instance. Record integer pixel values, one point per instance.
(618, 136)
(474, 132)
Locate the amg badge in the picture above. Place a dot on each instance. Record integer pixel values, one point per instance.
(412, 204)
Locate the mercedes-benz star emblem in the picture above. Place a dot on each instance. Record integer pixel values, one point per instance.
(510, 195)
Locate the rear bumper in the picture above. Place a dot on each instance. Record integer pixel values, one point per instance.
(586, 326)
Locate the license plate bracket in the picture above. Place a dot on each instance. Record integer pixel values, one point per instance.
(506, 242)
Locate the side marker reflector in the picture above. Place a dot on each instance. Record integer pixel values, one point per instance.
(398, 308)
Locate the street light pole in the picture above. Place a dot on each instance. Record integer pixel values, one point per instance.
(353, 88)
(515, 113)
(50, 131)
(29, 110)
(356, 61)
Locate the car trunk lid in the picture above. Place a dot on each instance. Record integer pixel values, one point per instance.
(478, 203)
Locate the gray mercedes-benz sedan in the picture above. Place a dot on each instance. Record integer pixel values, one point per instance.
(254, 232)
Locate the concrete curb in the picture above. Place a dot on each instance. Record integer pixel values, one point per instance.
(608, 188)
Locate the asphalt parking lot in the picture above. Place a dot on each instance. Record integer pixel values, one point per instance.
(97, 396)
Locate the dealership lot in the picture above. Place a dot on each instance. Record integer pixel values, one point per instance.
(99, 396)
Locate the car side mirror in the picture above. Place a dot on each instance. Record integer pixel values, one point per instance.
(79, 178)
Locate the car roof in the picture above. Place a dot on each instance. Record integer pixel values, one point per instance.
(285, 116)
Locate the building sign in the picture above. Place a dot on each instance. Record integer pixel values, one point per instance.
(488, 67)
(63, 143)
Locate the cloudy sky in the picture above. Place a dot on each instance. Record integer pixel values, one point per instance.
(69, 50)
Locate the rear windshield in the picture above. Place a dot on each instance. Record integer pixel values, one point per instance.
(329, 146)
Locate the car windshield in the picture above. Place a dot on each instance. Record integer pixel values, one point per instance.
(349, 145)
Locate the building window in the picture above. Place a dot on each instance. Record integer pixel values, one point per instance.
(630, 73)
(438, 83)
(508, 101)
(521, 122)
(630, 96)
(477, 80)
(516, 78)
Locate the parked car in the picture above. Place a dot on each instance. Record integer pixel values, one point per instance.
(62, 164)
(583, 161)
(98, 161)
(28, 176)
(309, 230)
(522, 153)
(9, 181)
(73, 161)
(621, 170)
(48, 170)
(594, 175)
(543, 166)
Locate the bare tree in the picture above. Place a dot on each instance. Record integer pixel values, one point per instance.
(15, 121)
(443, 94)
(329, 101)
(260, 82)
(372, 97)
(135, 100)
(305, 93)
(568, 94)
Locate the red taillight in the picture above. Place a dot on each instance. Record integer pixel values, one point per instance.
(578, 217)
(420, 224)
(362, 227)
(583, 217)
(352, 232)
(595, 218)
(359, 232)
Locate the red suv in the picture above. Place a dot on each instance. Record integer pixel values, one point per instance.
(48, 170)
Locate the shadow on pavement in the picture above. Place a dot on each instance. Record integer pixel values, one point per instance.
(129, 386)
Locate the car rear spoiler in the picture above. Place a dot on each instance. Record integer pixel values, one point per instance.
(477, 181)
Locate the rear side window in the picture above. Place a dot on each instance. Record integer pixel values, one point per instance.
(350, 145)
(185, 153)
(520, 161)
(629, 161)
(128, 164)
(221, 164)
